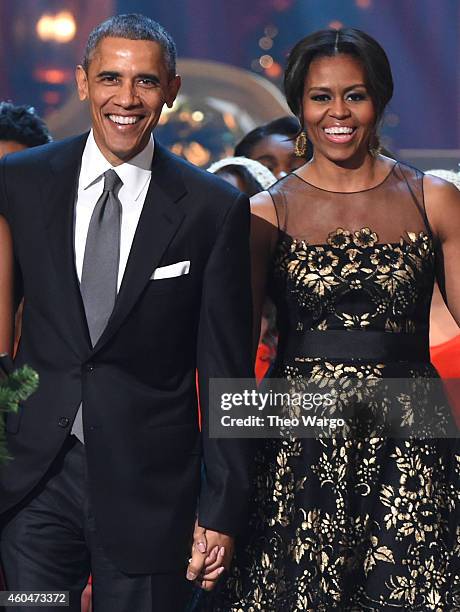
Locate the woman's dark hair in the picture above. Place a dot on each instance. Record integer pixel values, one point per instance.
(327, 43)
(285, 126)
(251, 185)
(23, 125)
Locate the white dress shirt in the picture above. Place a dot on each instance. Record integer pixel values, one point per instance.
(135, 174)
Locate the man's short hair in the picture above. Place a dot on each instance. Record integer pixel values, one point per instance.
(22, 124)
(132, 27)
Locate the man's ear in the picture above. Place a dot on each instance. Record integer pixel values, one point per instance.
(82, 82)
(173, 89)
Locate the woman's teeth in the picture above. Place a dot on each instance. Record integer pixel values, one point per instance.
(339, 130)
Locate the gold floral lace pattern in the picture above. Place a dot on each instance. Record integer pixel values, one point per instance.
(378, 530)
(368, 399)
(391, 276)
(360, 524)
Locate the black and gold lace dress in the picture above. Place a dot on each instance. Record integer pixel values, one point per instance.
(355, 523)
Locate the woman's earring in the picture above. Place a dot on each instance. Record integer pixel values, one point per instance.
(375, 148)
(301, 144)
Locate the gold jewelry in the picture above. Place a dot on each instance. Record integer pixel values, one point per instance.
(375, 151)
(375, 148)
(301, 144)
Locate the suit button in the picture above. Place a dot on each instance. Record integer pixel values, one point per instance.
(89, 367)
(63, 421)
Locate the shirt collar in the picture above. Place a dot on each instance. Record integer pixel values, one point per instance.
(135, 173)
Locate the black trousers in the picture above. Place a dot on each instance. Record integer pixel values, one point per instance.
(50, 542)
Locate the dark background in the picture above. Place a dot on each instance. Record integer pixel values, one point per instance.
(421, 38)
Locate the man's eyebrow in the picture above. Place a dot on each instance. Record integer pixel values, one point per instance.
(108, 73)
(114, 74)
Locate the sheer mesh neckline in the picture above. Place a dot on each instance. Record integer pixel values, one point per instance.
(350, 192)
(406, 239)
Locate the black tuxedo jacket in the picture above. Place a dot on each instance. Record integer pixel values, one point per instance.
(143, 445)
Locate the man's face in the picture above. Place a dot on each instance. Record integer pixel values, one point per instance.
(10, 146)
(127, 85)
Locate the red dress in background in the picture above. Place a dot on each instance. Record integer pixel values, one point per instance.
(265, 357)
(446, 359)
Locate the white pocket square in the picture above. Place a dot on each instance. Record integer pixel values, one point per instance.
(177, 269)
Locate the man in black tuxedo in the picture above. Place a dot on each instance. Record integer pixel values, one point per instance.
(134, 266)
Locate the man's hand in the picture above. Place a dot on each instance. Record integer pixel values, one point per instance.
(211, 554)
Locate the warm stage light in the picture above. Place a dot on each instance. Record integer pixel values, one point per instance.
(60, 28)
(53, 76)
(274, 71)
(229, 121)
(64, 27)
(266, 61)
(364, 4)
(45, 27)
(265, 43)
(196, 154)
(336, 25)
(197, 116)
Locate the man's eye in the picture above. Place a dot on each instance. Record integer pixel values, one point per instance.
(109, 79)
(147, 83)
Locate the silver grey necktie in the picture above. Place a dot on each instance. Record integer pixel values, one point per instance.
(102, 255)
(99, 276)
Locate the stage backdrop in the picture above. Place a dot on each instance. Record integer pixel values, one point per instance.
(42, 40)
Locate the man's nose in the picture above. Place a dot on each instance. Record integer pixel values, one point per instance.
(127, 95)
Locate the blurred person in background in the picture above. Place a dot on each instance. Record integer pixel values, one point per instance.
(245, 174)
(273, 145)
(252, 177)
(20, 128)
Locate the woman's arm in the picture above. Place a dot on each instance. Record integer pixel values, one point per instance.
(6, 288)
(442, 202)
(264, 234)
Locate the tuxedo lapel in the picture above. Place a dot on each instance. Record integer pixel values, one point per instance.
(59, 194)
(159, 221)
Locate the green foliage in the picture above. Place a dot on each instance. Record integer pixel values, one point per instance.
(14, 389)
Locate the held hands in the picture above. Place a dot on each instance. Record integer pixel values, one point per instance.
(211, 554)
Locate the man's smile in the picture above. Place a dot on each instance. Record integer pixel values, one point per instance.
(125, 119)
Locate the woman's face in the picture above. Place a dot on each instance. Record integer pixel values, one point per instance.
(339, 115)
(277, 153)
(232, 178)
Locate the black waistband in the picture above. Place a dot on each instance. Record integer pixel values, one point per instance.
(347, 345)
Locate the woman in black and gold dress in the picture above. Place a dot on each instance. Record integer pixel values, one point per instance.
(349, 246)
